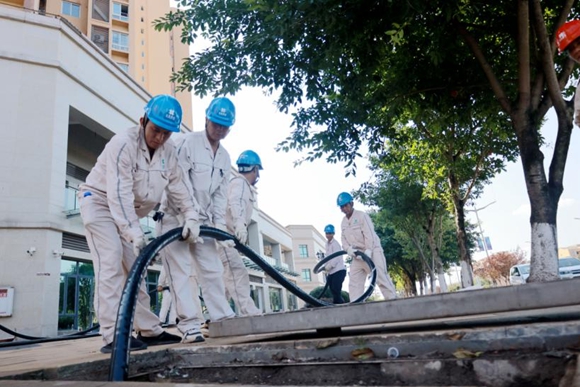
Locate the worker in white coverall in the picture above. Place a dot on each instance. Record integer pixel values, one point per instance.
(335, 268)
(241, 199)
(568, 41)
(167, 304)
(207, 169)
(358, 234)
(127, 182)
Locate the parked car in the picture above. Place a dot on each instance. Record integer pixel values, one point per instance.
(569, 268)
(519, 274)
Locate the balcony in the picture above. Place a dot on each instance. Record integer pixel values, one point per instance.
(71, 202)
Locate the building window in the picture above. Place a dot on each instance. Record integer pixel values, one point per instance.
(124, 66)
(120, 41)
(101, 10)
(71, 9)
(100, 36)
(303, 251)
(120, 12)
(306, 276)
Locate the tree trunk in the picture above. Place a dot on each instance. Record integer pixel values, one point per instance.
(436, 263)
(464, 253)
(543, 203)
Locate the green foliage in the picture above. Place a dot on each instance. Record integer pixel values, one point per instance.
(317, 293)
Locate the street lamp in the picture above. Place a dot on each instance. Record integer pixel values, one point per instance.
(479, 224)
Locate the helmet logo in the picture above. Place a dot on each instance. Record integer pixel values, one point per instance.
(222, 112)
(561, 36)
(170, 115)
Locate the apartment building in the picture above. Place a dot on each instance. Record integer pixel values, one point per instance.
(62, 99)
(123, 29)
(309, 246)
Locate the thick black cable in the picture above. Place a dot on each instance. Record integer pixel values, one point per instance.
(318, 268)
(26, 337)
(119, 366)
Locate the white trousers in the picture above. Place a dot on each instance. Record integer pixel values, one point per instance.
(181, 259)
(359, 271)
(237, 282)
(167, 306)
(112, 260)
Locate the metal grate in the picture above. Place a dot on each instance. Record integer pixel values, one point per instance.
(75, 242)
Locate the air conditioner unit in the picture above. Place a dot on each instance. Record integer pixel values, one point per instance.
(98, 39)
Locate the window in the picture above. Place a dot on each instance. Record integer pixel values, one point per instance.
(120, 12)
(303, 251)
(306, 276)
(101, 10)
(100, 36)
(124, 66)
(120, 41)
(71, 9)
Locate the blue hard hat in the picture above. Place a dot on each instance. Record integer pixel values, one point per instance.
(165, 112)
(343, 198)
(248, 160)
(221, 111)
(329, 229)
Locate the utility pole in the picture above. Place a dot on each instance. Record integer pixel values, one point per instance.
(479, 223)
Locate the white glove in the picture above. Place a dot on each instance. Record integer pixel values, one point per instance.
(350, 252)
(241, 232)
(139, 244)
(227, 243)
(191, 232)
(369, 253)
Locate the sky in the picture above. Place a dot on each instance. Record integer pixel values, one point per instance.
(306, 194)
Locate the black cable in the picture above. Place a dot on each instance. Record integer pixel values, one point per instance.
(366, 259)
(119, 366)
(23, 336)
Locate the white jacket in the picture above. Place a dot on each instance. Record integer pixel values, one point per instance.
(241, 200)
(359, 233)
(133, 183)
(335, 264)
(207, 175)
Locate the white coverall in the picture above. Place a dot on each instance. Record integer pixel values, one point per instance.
(359, 233)
(236, 278)
(208, 177)
(167, 304)
(124, 186)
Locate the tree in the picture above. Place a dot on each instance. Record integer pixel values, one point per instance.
(420, 223)
(357, 67)
(496, 268)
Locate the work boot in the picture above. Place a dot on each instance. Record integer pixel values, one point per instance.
(134, 345)
(163, 338)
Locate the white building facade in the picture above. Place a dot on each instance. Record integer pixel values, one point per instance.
(61, 100)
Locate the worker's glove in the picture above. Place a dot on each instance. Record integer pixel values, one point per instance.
(369, 253)
(241, 232)
(350, 252)
(139, 244)
(190, 232)
(228, 243)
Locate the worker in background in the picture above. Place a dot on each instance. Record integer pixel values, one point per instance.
(241, 199)
(167, 304)
(335, 268)
(358, 234)
(206, 166)
(136, 167)
(568, 41)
